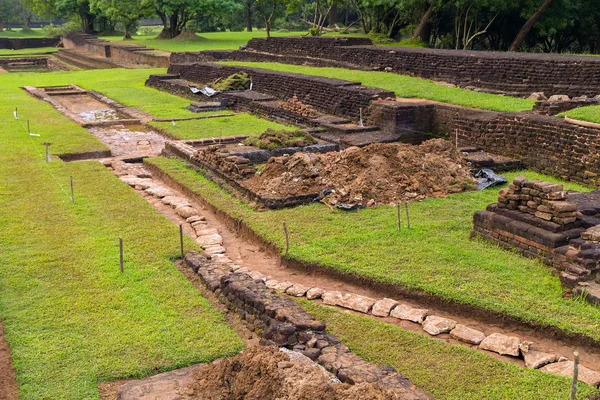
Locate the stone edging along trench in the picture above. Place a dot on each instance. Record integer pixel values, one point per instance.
(388, 290)
(285, 324)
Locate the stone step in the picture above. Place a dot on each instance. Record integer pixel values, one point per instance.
(82, 61)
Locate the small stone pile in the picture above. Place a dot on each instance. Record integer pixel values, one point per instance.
(296, 106)
(545, 200)
(219, 157)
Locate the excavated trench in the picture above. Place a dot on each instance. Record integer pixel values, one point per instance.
(134, 141)
(245, 251)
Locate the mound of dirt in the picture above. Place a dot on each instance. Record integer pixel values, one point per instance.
(376, 174)
(268, 374)
(296, 106)
(272, 139)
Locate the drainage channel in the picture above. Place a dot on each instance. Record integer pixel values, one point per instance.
(520, 345)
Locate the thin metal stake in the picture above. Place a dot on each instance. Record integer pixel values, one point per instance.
(121, 254)
(181, 239)
(28, 130)
(72, 191)
(48, 157)
(399, 221)
(575, 374)
(407, 216)
(287, 239)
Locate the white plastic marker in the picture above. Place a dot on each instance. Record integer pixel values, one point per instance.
(250, 85)
(16, 113)
(173, 122)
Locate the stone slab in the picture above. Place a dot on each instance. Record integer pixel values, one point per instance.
(565, 368)
(467, 335)
(171, 385)
(210, 240)
(186, 211)
(435, 325)
(407, 313)
(501, 344)
(383, 307)
(314, 293)
(297, 290)
(537, 359)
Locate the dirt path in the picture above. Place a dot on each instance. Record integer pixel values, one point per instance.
(246, 253)
(8, 381)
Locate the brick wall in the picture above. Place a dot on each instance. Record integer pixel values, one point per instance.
(546, 144)
(16, 44)
(513, 73)
(332, 96)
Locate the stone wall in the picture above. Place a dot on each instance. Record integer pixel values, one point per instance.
(511, 73)
(332, 96)
(284, 324)
(16, 44)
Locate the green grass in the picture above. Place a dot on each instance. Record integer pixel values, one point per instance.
(435, 256)
(589, 113)
(25, 52)
(406, 86)
(18, 33)
(240, 124)
(71, 318)
(444, 371)
(209, 41)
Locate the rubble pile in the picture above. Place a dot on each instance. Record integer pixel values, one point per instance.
(296, 106)
(273, 139)
(219, 157)
(375, 174)
(545, 200)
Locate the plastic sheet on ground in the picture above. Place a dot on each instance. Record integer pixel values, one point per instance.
(487, 178)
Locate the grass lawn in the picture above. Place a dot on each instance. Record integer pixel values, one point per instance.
(240, 124)
(18, 33)
(406, 86)
(71, 318)
(207, 40)
(435, 256)
(127, 87)
(444, 371)
(27, 52)
(589, 113)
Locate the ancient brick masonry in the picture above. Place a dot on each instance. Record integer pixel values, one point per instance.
(283, 323)
(511, 73)
(541, 220)
(27, 43)
(332, 96)
(232, 165)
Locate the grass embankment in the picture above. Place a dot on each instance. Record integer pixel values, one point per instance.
(71, 318)
(27, 52)
(19, 33)
(406, 86)
(435, 256)
(589, 113)
(444, 371)
(127, 87)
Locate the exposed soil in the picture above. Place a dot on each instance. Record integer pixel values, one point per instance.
(272, 139)
(378, 173)
(266, 373)
(8, 381)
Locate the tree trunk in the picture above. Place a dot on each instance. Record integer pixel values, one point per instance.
(423, 31)
(333, 11)
(173, 19)
(1, 26)
(249, 4)
(268, 27)
(528, 25)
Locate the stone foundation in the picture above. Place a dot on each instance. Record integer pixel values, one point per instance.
(282, 322)
(540, 220)
(28, 43)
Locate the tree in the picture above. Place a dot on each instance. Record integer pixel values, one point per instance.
(9, 10)
(124, 12)
(267, 9)
(528, 25)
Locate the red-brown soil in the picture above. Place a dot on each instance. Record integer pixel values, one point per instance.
(266, 373)
(376, 174)
(8, 381)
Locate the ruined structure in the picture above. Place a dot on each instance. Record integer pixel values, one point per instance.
(540, 220)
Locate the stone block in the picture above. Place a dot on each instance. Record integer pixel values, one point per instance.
(435, 325)
(409, 314)
(537, 359)
(314, 293)
(501, 344)
(383, 307)
(297, 290)
(467, 335)
(565, 368)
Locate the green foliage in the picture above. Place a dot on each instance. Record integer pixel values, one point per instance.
(272, 139)
(468, 374)
(407, 86)
(436, 254)
(52, 30)
(238, 81)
